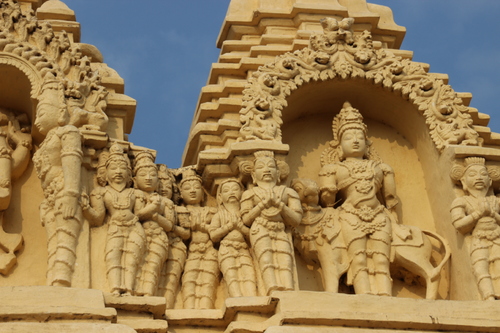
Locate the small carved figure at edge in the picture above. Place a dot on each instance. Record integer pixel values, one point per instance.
(235, 261)
(318, 237)
(15, 147)
(125, 241)
(201, 271)
(268, 208)
(477, 213)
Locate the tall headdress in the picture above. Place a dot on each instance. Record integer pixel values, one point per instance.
(144, 159)
(116, 154)
(347, 118)
(189, 174)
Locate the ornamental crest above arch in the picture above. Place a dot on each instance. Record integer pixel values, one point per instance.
(339, 53)
(44, 55)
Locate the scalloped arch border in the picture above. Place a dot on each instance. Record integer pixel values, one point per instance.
(25, 67)
(334, 55)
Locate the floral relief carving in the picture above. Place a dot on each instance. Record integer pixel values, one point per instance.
(339, 53)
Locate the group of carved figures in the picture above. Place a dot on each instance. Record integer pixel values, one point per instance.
(156, 241)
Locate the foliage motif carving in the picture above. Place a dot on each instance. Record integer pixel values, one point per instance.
(339, 53)
(22, 35)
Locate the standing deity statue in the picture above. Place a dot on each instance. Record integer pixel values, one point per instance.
(157, 217)
(177, 250)
(58, 163)
(235, 261)
(318, 237)
(126, 239)
(268, 208)
(15, 147)
(477, 213)
(201, 271)
(366, 190)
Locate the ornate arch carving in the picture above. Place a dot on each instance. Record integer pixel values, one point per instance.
(339, 53)
(35, 49)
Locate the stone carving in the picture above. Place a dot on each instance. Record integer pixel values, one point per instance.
(177, 250)
(58, 164)
(235, 261)
(477, 214)
(201, 270)
(157, 217)
(15, 147)
(268, 208)
(339, 53)
(318, 238)
(353, 174)
(116, 201)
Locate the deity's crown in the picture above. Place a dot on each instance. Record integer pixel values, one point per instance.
(470, 161)
(116, 154)
(347, 118)
(163, 172)
(189, 174)
(144, 159)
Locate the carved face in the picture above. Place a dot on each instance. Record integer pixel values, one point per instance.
(476, 177)
(146, 178)
(47, 116)
(192, 192)
(230, 192)
(353, 143)
(117, 172)
(265, 170)
(165, 189)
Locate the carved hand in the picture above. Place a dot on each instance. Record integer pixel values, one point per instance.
(68, 206)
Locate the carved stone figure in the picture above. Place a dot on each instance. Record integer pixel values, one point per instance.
(58, 164)
(477, 213)
(235, 261)
(318, 237)
(157, 217)
(268, 208)
(126, 239)
(15, 147)
(201, 271)
(177, 250)
(358, 180)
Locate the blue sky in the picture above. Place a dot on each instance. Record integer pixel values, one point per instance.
(164, 49)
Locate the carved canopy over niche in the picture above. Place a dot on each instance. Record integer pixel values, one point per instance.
(338, 53)
(40, 53)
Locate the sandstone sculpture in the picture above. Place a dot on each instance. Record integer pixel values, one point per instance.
(478, 213)
(235, 261)
(268, 208)
(177, 250)
(58, 164)
(126, 239)
(201, 270)
(157, 217)
(318, 238)
(15, 147)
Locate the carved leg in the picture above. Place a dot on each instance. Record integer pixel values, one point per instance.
(357, 254)
(189, 279)
(495, 268)
(133, 254)
(114, 251)
(247, 274)
(262, 246)
(47, 217)
(379, 247)
(157, 251)
(329, 267)
(67, 232)
(208, 278)
(480, 265)
(173, 269)
(229, 269)
(284, 261)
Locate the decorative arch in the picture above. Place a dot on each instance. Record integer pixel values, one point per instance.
(36, 50)
(339, 53)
